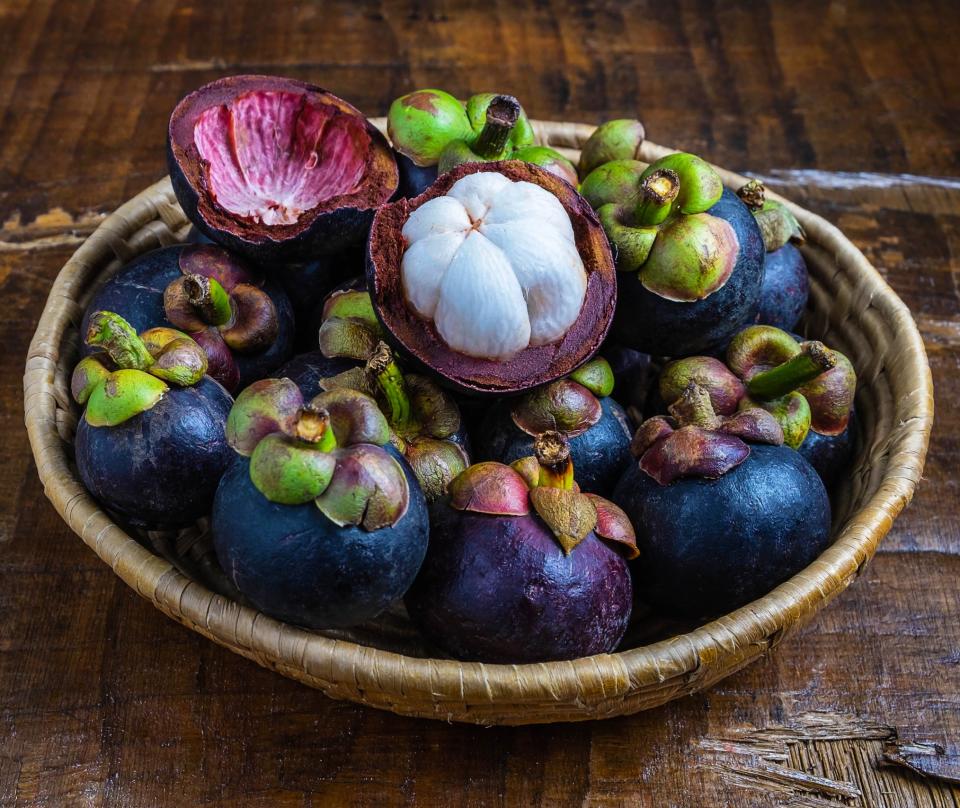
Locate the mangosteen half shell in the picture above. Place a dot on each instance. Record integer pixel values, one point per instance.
(277, 169)
(498, 278)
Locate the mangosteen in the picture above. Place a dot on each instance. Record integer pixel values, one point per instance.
(434, 133)
(634, 374)
(580, 407)
(786, 285)
(318, 522)
(277, 169)
(151, 443)
(689, 253)
(522, 567)
(723, 511)
(498, 279)
(244, 322)
(830, 455)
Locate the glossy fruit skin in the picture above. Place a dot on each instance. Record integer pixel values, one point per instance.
(652, 324)
(830, 455)
(160, 469)
(414, 179)
(710, 546)
(599, 455)
(500, 589)
(293, 563)
(786, 287)
(136, 294)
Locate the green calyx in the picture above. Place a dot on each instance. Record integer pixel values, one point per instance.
(350, 328)
(656, 218)
(803, 384)
(778, 226)
(329, 451)
(614, 140)
(596, 375)
(134, 374)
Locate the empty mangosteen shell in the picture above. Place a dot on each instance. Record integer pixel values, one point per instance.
(331, 226)
(530, 367)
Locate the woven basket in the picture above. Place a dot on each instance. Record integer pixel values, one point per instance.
(384, 665)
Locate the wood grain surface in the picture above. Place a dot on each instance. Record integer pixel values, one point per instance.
(850, 108)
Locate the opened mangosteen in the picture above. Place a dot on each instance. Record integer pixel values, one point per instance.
(522, 567)
(434, 133)
(319, 521)
(580, 407)
(498, 279)
(151, 442)
(277, 169)
(689, 254)
(786, 285)
(723, 511)
(242, 321)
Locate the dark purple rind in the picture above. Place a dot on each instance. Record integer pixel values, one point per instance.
(307, 369)
(531, 366)
(785, 289)
(830, 455)
(710, 546)
(160, 469)
(599, 455)
(296, 565)
(649, 323)
(329, 228)
(414, 179)
(500, 589)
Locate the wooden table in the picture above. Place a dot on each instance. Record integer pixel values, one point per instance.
(851, 108)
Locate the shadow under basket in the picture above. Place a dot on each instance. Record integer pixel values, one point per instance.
(385, 664)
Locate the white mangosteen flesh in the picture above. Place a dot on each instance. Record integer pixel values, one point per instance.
(494, 265)
(269, 156)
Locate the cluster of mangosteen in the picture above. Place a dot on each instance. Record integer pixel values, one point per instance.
(535, 394)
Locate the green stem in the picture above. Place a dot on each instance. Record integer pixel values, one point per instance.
(753, 194)
(382, 366)
(814, 358)
(502, 115)
(313, 427)
(117, 337)
(552, 450)
(659, 190)
(210, 299)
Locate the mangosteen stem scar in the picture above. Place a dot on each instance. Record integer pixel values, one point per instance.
(210, 300)
(502, 115)
(382, 366)
(313, 427)
(552, 450)
(117, 337)
(814, 358)
(753, 194)
(694, 408)
(658, 192)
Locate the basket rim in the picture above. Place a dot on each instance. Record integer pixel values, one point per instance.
(600, 679)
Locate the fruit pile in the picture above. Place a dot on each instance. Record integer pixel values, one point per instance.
(530, 399)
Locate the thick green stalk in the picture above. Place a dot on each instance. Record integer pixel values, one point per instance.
(382, 366)
(659, 190)
(502, 115)
(117, 337)
(313, 427)
(552, 450)
(210, 299)
(814, 358)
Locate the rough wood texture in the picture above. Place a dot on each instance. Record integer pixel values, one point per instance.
(105, 703)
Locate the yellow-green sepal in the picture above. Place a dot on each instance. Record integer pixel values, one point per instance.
(122, 395)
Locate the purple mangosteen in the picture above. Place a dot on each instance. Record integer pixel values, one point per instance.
(319, 521)
(243, 321)
(522, 566)
(580, 407)
(150, 445)
(786, 285)
(723, 511)
(689, 252)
